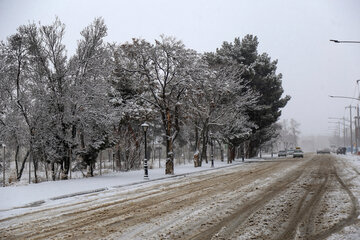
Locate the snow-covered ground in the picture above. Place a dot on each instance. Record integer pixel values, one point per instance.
(288, 190)
(351, 232)
(29, 194)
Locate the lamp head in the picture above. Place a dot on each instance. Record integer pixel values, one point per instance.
(145, 126)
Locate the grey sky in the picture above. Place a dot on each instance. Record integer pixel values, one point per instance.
(296, 33)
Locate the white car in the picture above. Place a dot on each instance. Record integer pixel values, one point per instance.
(298, 153)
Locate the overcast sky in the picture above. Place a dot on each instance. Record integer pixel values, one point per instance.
(296, 33)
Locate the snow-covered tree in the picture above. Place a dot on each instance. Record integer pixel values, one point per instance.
(55, 107)
(161, 69)
(64, 105)
(294, 131)
(218, 101)
(289, 133)
(91, 114)
(49, 73)
(18, 111)
(258, 72)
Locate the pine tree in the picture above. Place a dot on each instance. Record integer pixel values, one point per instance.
(258, 72)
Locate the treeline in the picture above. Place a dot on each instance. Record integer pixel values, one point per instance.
(54, 107)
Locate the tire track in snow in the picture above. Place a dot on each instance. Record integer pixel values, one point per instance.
(228, 225)
(308, 203)
(352, 218)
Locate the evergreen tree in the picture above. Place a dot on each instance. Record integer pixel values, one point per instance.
(258, 72)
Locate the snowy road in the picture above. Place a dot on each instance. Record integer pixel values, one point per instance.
(310, 198)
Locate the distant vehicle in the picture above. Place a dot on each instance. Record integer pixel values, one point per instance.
(290, 152)
(298, 153)
(323, 151)
(282, 153)
(341, 150)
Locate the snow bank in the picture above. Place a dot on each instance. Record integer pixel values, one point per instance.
(32, 194)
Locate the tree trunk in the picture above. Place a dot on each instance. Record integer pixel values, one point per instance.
(260, 152)
(189, 152)
(35, 163)
(127, 159)
(53, 172)
(204, 135)
(221, 151)
(197, 162)
(66, 165)
(169, 157)
(231, 155)
(169, 147)
(16, 160)
(90, 170)
(242, 146)
(46, 171)
(118, 158)
(23, 166)
(204, 147)
(251, 150)
(238, 151)
(100, 169)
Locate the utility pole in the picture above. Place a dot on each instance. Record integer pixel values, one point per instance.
(351, 138)
(344, 130)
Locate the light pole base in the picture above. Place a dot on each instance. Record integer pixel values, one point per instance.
(146, 178)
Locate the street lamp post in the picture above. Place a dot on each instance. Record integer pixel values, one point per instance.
(357, 82)
(357, 118)
(356, 131)
(212, 149)
(344, 97)
(351, 137)
(357, 125)
(145, 126)
(3, 164)
(341, 41)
